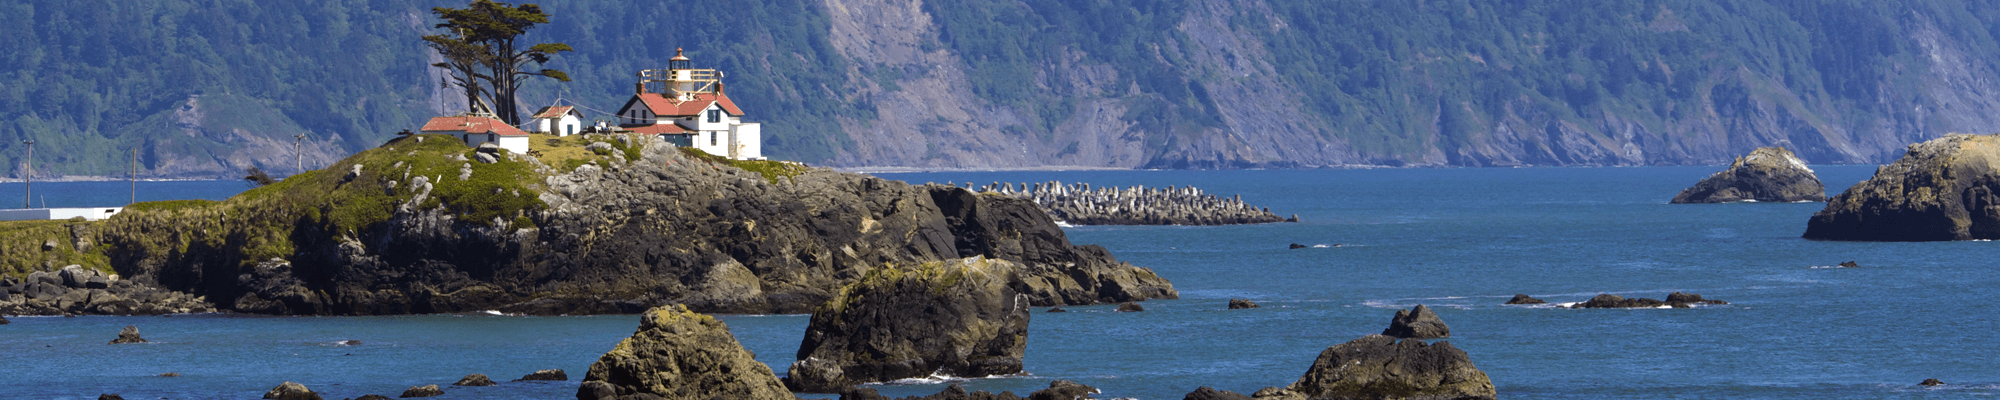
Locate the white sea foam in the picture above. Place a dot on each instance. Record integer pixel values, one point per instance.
(1064, 224)
(493, 312)
(1567, 305)
(935, 378)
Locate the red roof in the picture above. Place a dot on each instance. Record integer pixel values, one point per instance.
(660, 129)
(472, 125)
(554, 112)
(662, 106)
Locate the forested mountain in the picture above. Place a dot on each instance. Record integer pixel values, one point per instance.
(208, 87)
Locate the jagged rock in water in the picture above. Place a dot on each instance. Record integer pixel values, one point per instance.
(129, 335)
(110, 396)
(1524, 299)
(1381, 367)
(372, 397)
(1296, 246)
(1849, 264)
(1057, 390)
(1769, 174)
(957, 318)
(171, 375)
(618, 237)
(291, 391)
(1238, 304)
(74, 290)
(1051, 309)
(679, 354)
(545, 375)
(1931, 382)
(422, 391)
(1690, 298)
(1943, 189)
(1209, 393)
(3, 321)
(1130, 307)
(475, 380)
(1417, 323)
(1078, 203)
(1616, 301)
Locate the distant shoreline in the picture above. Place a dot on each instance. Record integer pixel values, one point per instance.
(111, 179)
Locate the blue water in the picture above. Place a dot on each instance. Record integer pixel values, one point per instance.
(1459, 240)
(112, 193)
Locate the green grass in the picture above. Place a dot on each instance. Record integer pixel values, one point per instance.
(21, 250)
(771, 170)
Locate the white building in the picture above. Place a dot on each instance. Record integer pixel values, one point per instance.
(88, 213)
(688, 107)
(558, 120)
(478, 129)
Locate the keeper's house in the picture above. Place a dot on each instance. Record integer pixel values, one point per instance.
(687, 107)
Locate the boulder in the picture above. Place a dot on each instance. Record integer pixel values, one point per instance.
(291, 391)
(171, 375)
(1209, 393)
(422, 391)
(1238, 304)
(1524, 299)
(1057, 309)
(1849, 264)
(1943, 189)
(1130, 307)
(1296, 246)
(684, 355)
(1382, 367)
(109, 396)
(1417, 323)
(1931, 382)
(546, 375)
(372, 397)
(1769, 174)
(958, 317)
(1690, 298)
(475, 380)
(129, 335)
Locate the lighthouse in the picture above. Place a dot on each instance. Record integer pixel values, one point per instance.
(688, 107)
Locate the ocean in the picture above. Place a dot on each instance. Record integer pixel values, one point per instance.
(1461, 241)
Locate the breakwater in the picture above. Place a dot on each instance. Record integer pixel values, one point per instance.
(1081, 204)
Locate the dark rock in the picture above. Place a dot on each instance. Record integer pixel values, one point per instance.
(1942, 189)
(1063, 390)
(171, 375)
(1238, 304)
(1057, 309)
(1524, 299)
(129, 335)
(856, 393)
(291, 391)
(1296, 246)
(1209, 393)
(372, 397)
(1615, 301)
(108, 396)
(957, 317)
(1931, 382)
(681, 354)
(350, 343)
(1849, 264)
(1769, 174)
(1294, 218)
(425, 391)
(1130, 307)
(1381, 367)
(475, 380)
(1417, 323)
(3, 321)
(1690, 298)
(546, 375)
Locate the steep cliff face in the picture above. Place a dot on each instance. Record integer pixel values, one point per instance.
(418, 226)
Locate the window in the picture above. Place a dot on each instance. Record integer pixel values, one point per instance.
(489, 137)
(711, 138)
(714, 115)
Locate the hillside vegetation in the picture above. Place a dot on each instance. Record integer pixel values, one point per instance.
(208, 87)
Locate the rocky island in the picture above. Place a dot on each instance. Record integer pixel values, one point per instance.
(1078, 203)
(1768, 174)
(1942, 189)
(954, 318)
(587, 224)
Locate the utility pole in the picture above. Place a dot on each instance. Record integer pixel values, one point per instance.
(300, 152)
(28, 179)
(133, 174)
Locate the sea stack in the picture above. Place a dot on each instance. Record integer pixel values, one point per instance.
(129, 335)
(681, 354)
(956, 317)
(1417, 323)
(1382, 367)
(1768, 174)
(1943, 189)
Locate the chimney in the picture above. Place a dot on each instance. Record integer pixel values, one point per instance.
(718, 87)
(642, 88)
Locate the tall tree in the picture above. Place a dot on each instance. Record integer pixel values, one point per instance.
(497, 26)
(464, 59)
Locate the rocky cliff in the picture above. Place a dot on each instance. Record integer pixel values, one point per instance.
(419, 226)
(1769, 174)
(955, 318)
(1942, 189)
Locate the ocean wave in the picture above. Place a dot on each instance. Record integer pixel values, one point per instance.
(935, 378)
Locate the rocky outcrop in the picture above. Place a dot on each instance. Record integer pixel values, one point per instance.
(1674, 300)
(1130, 307)
(475, 380)
(1209, 393)
(1768, 174)
(1943, 189)
(1077, 203)
(1524, 299)
(545, 375)
(1238, 304)
(1382, 367)
(129, 335)
(957, 318)
(617, 236)
(679, 354)
(76, 290)
(422, 391)
(1417, 323)
(1057, 390)
(1931, 382)
(291, 391)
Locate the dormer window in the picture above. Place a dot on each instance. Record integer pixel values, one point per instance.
(714, 115)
